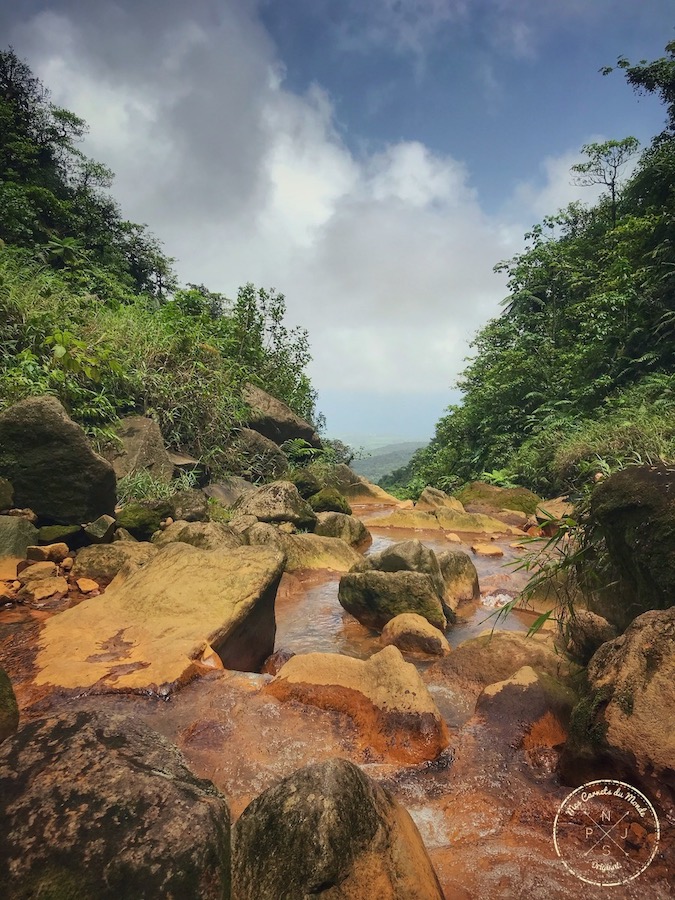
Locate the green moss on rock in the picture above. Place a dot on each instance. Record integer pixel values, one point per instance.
(142, 519)
(330, 500)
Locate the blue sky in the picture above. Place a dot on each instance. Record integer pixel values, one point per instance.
(371, 159)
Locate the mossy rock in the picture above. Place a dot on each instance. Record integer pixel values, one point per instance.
(142, 518)
(307, 483)
(9, 710)
(481, 493)
(330, 500)
(61, 534)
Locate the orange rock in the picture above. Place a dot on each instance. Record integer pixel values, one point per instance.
(385, 696)
(487, 550)
(48, 552)
(87, 585)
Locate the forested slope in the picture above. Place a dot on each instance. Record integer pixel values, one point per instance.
(576, 375)
(90, 306)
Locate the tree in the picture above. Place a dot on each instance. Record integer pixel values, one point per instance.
(605, 164)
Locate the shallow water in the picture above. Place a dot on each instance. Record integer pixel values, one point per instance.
(483, 809)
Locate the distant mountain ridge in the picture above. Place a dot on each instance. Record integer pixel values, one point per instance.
(385, 459)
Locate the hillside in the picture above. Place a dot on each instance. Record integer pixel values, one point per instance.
(385, 459)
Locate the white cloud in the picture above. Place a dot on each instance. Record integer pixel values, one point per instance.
(386, 258)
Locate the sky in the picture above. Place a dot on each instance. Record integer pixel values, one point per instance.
(372, 160)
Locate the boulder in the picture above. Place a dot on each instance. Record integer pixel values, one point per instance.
(376, 597)
(101, 530)
(229, 490)
(150, 628)
(304, 551)
(451, 520)
(635, 512)
(205, 535)
(358, 489)
(254, 456)
(62, 534)
(142, 518)
(183, 464)
(634, 676)
(329, 500)
(278, 502)
(329, 830)
(275, 420)
(339, 525)
(16, 536)
(496, 656)
(51, 464)
(384, 695)
(121, 534)
(140, 448)
(478, 496)
(584, 632)
(9, 710)
(305, 481)
(48, 553)
(190, 506)
(7, 495)
(412, 633)
(408, 556)
(460, 577)
(556, 508)
(102, 562)
(431, 498)
(100, 805)
(517, 702)
(41, 589)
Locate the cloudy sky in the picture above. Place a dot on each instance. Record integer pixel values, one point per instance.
(371, 159)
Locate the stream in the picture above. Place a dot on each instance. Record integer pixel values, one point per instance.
(484, 812)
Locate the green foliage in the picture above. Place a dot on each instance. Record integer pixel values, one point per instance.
(560, 384)
(143, 485)
(90, 307)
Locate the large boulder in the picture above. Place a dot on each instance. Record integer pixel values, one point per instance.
(229, 490)
(205, 535)
(635, 511)
(304, 551)
(102, 562)
(634, 677)
(191, 505)
(99, 805)
(497, 656)
(275, 420)
(140, 448)
(376, 597)
(384, 695)
(478, 496)
(278, 502)
(408, 556)
(51, 464)
(584, 632)
(358, 489)
(460, 578)
(254, 456)
(339, 525)
(142, 518)
(306, 481)
(431, 498)
(9, 711)
(151, 628)
(329, 500)
(16, 536)
(442, 517)
(329, 830)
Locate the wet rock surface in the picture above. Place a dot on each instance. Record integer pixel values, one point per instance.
(384, 695)
(412, 633)
(99, 805)
(151, 628)
(376, 597)
(330, 830)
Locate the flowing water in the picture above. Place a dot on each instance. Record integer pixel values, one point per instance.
(484, 810)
